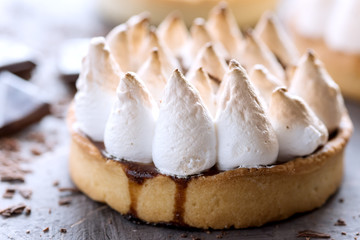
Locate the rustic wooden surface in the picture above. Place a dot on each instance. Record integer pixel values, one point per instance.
(44, 25)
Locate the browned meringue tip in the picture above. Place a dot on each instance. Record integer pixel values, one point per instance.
(141, 18)
(221, 8)
(234, 64)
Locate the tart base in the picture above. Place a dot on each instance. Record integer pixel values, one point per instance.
(343, 67)
(239, 198)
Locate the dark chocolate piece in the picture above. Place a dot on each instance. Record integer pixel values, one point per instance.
(69, 189)
(20, 104)
(16, 58)
(312, 234)
(64, 201)
(70, 58)
(13, 210)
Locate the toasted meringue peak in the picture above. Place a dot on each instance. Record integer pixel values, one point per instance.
(174, 33)
(255, 52)
(168, 62)
(130, 128)
(200, 36)
(233, 64)
(96, 89)
(300, 132)
(245, 135)
(264, 82)
(151, 72)
(138, 28)
(119, 46)
(313, 83)
(222, 27)
(185, 140)
(270, 31)
(202, 83)
(210, 61)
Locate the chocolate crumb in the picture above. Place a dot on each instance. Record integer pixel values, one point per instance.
(219, 236)
(340, 222)
(312, 234)
(13, 210)
(64, 201)
(9, 193)
(35, 151)
(9, 144)
(12, 177)
(69, 189)
(343, 233)
(27, 211)
(357, 234)
(341, 200)
(26, 193)
(49, 210)
(56, 183)
(184, 235)
(63, 230)
(27, 231)
(46, 229)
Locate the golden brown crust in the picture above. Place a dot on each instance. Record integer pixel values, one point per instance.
(241, 197)
(344, 68)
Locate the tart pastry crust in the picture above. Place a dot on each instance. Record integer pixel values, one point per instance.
(240, 198)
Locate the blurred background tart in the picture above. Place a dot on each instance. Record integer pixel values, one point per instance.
(331, 28)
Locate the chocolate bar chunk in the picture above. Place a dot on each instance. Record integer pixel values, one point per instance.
(70, 58)
(20, 104)
(16, 58)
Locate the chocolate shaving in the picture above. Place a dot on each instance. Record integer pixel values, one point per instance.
(9, 193)
(343, 233)
(26, 193)
(69, 189)
(341, 200)
(64, 201)
(63, 230)
(46, 229)
(27, 231)
(340, 222)
(12, 177)
(312, 234)
(13, 210)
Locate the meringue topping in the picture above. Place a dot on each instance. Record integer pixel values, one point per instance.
(300, 132)
(223, 28)
(185, 140)
(270, 31)
(210, 61)
(168, 62)
(264, 82)
(130, 128)
(96, 89)
(256, 52)
(201, 82)
(174, 33)
(138, 26)
(245, 134)
(152, 74)
(313, 83)
(118, 42)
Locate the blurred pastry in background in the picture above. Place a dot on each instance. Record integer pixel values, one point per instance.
(331, 28)
(247, 12)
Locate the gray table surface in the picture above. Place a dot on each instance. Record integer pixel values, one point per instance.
(29, 22)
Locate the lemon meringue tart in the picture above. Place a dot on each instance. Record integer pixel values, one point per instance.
(331, 28)
(216, 147)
